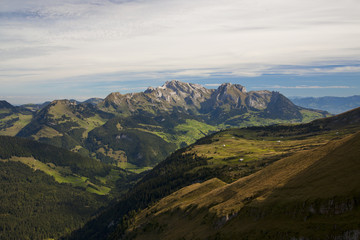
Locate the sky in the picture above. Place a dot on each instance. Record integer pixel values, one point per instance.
(55, 49)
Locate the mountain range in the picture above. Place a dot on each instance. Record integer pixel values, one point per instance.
(138, 130)
(333, 105)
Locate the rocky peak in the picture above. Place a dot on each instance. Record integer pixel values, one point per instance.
(228, 92)
(228, 87)
(180, 93)
(178, 87)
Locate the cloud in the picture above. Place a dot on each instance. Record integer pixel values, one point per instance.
(67, 39)
(306, 87)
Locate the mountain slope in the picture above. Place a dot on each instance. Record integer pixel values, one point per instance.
(321, 186)
(228, 155)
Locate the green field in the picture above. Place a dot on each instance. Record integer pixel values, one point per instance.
(16, 126)
(63, 175)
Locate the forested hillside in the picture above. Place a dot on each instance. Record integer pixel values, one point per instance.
(34, 206)
(46, 192)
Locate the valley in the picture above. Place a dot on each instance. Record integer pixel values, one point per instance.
(176, 155)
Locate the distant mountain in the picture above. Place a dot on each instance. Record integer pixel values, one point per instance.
(35, 107)
(8, 109)
(172, 96)
(230, 169)
(94, 101)
(230, 104)
(331, 104)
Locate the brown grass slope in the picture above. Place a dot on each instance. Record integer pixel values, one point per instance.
(313, 194)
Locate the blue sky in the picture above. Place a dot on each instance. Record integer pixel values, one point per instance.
(89, 48)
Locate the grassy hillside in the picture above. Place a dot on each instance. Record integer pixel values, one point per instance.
(304, 195)
(11, 125)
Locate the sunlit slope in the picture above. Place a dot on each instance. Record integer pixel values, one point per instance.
(13, 119)
(305, 194)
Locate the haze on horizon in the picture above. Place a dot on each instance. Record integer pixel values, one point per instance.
(89, 48)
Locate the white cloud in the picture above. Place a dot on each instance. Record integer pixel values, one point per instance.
(212, 84)
(63, 39)
(305, 87)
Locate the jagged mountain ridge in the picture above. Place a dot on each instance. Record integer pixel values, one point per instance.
(172, 95)
(194, 98)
